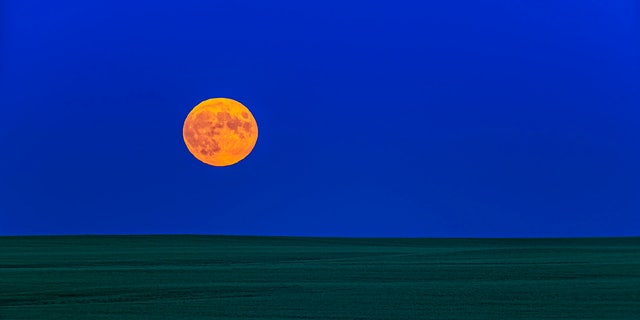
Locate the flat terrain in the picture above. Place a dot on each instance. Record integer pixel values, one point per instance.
(216, 277)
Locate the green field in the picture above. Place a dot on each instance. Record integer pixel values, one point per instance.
(220, 277)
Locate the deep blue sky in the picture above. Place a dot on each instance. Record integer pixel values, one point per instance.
(462, 118)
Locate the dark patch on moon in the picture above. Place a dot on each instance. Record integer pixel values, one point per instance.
(247, 126)
(233, 124)
(225, 118)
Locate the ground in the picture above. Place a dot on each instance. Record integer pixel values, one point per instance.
(217, 277)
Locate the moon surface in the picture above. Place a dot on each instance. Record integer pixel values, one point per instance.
(220, 131)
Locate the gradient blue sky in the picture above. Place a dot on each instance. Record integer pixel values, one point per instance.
(462, 118)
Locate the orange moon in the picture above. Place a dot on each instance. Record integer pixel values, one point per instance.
(220, 131)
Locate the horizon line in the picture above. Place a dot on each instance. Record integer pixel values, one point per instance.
(312, 236)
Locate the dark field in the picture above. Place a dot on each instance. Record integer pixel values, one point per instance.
(211, 277)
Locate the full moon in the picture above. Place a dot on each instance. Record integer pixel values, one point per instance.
(220, 131)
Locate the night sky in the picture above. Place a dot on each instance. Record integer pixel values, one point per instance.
(462, 118)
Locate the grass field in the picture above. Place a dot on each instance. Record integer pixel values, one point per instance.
(216, 277)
